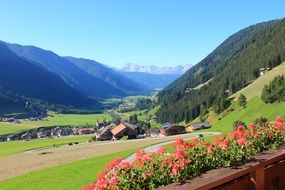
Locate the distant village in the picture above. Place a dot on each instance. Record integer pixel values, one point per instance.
(101, 131)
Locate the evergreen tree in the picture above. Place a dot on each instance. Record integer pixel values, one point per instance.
(275, 91)
(242, 100)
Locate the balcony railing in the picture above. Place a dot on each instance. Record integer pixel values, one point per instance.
(264, 171)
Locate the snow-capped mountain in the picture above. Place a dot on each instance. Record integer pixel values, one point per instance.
(152, 69)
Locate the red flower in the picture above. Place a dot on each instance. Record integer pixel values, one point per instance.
(179, 142)
(241, 141)
(240, 128)
(210, 149)
(192, 143)
(224, 144)
(114, 163)
(279, 123)
(161, 150)
(251, 126)
(256, 135)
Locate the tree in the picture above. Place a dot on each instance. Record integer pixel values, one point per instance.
(133, 119)
(203, 112)
(274, 91)
(242, 100)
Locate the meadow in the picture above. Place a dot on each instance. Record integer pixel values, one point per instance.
(13, 147)
(56, 120)
(64, 177)
(255, 109)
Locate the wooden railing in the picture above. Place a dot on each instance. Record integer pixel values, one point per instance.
(265, 171)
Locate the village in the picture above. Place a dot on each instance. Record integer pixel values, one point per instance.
(103, 131)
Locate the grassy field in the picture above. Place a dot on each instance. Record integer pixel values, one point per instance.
(57, 120)
(255, 109)
(12, 147)
(255, 88)
(142, 115)
(70, 176)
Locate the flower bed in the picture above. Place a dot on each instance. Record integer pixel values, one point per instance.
(189, 159)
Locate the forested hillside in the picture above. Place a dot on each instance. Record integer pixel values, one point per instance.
(231, 66)
(27, 79)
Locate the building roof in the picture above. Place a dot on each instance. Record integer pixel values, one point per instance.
(118, 129)
(129, 125)
(200, 125)
(103, 130)
(152, 130)
(167, 126)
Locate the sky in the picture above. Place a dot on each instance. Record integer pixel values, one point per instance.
(144, 32)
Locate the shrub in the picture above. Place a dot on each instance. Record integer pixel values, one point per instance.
(242, 100)
(190, 159)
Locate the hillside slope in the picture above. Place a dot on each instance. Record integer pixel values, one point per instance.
(232, 65)
(74, 76)
(255, 109)
(27, 79)
(255, 88)
(110, 76)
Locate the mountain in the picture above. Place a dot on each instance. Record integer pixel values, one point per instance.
(112, 77)
(153, 81)
(230, 67)
(28, 79)
(74, 76)
(152, 69)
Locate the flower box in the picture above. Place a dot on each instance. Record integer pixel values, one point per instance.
(265, 171)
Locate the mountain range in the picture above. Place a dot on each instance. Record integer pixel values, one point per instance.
(230, 67)
(35, 73)
(152, 69)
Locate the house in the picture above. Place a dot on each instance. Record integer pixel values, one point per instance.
(105, 133)
(153, 132)
(262, 71)
(171, 129)
(9, 120)
(125, 129)
(84, 131)
(197, 126)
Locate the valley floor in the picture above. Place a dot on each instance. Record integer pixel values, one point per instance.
(34, 160)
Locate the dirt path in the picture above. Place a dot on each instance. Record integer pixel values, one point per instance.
(22, 163)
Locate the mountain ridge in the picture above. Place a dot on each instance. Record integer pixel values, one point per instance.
(152, 69)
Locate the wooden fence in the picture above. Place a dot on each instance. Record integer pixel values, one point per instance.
(265, 171)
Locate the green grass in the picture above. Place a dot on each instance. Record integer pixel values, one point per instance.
(12, 147)
(255, 109)
(142, 115)
(255, 88)
(57, 120)
(70, 176)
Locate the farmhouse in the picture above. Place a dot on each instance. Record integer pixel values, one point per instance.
(262, 71)
(197, 126)
(171, 129)
(105, 133)
(153, 132)
(125, 129)
(84, 131)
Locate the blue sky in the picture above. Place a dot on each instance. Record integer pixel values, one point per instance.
(115, 32)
